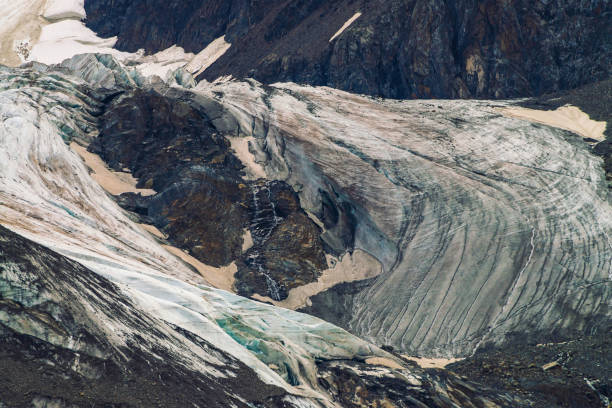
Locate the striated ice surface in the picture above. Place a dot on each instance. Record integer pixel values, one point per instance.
(486, 225)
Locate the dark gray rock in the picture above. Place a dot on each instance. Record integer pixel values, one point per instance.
(397, 48)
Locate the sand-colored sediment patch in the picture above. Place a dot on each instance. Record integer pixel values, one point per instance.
(240, 145)
(247, 240)
(221, 278)
(566, 117)
(153, 230)
(432, 362)
(382, 361)
(112, 181)
(358, 266)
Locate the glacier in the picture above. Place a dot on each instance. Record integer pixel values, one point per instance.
(48, 197)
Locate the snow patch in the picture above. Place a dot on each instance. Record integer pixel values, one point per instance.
(208, 56)
(20, 24)
(345, 26)
(67, 38)
(432, 362)
(63, 9)
(164, 62)
(566, 117)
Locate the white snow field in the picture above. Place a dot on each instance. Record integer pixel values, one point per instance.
(50, 31)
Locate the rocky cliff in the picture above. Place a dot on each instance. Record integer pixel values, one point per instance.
(394, 48)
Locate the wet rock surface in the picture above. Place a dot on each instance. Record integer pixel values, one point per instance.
(284, 240)
(396, 48)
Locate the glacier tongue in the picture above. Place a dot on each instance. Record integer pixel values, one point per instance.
(485, 225)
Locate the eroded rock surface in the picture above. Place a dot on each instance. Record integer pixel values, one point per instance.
(172, 141)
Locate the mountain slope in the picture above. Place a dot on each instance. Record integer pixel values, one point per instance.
(70, 336)
(394, 48)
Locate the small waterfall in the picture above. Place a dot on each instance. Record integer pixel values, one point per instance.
(263, 222)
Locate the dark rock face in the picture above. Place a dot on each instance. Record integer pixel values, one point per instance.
(355, 384)
(172, 147)
(204, 204)
(284, 239)
(56, 344)
(578, 379)
(397, 48)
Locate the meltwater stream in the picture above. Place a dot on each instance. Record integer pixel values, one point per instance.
(263, 222)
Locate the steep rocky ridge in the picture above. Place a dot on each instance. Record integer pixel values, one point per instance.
(396, 48)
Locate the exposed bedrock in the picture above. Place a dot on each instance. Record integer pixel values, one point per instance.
(204, 202)
(284, 239)
(396, 48)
